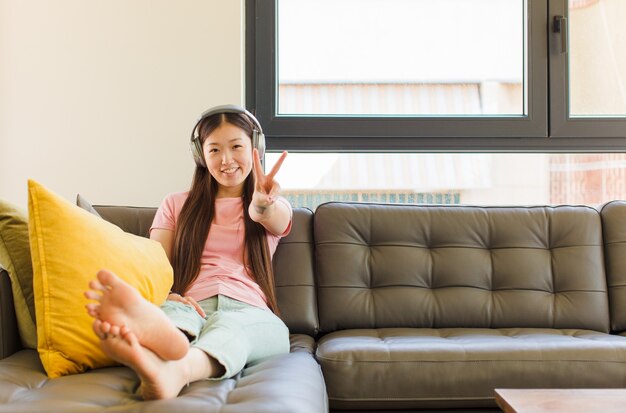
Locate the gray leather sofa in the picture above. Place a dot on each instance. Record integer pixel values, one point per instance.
(402, 307)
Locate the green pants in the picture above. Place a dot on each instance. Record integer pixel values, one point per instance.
(233, 332)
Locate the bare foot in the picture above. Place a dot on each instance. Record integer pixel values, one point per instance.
(121, 305)
(104, 329)
(160, 379)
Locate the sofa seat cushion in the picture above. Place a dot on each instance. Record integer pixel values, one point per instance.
(428, 368)
(288, 383)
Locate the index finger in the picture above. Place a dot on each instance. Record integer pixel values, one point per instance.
(277, 165)
(256, 162)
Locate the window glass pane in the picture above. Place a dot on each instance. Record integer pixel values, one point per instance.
(401, 57)
(309, 179)
(597, 58)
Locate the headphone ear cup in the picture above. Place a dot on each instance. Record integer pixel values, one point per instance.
(196, 151)
(258, 139)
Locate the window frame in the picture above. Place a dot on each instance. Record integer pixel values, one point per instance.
(561, 124)
(531, 133)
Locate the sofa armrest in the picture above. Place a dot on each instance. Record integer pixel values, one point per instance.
(9, 335)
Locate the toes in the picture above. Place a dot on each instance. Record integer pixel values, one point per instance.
(96, 327)
(107, 279)
(93, 310)
(105, 327)
(114, 330)
(126, 335)
(96, 285)
(131, 338)
(92, 295)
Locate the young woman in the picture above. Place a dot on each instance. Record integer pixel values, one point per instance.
(220, 237)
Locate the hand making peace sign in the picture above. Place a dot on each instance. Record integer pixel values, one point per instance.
(266, 188)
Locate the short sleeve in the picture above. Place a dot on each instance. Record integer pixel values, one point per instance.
(167, 213)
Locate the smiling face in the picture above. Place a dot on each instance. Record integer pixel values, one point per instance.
(228, 154)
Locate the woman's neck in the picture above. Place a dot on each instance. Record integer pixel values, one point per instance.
(229, 193)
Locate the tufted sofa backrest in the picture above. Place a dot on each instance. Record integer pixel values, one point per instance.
(293, 262)
(614, 230)
(448, 266)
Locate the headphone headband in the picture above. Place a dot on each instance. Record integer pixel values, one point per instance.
(228, 109)
(258, 138)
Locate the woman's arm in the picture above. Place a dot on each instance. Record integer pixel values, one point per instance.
(266, 208)
(166, 238)
(274, 217)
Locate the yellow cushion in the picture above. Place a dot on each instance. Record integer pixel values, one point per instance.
(15, 258)
(68, 246)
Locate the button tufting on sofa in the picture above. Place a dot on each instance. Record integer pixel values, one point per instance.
(398, 307)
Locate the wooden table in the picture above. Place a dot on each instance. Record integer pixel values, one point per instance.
(561, 400)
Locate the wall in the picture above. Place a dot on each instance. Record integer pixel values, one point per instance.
(99, 97)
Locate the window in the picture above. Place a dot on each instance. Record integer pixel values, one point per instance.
(402, 75)
(498, 102)
(588, 69)
(359, 64)
(309, 179)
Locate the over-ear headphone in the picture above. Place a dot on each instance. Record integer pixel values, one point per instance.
(258, 138)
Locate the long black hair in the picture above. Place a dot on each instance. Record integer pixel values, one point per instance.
(196, 216)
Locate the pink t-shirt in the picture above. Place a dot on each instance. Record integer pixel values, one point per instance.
(221, 266)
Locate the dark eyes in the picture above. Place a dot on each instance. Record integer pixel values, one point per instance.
(215, 150)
